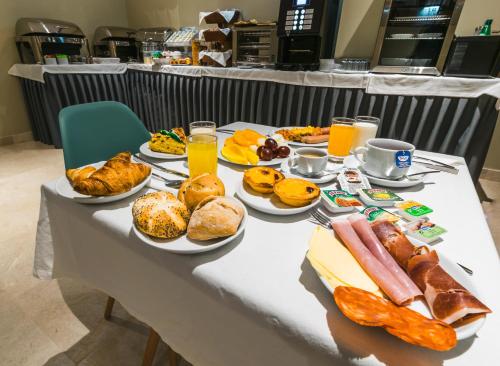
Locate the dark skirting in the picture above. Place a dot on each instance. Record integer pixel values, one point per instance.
(457, 126)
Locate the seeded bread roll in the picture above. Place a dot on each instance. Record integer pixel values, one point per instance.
(160, 215)
(215, 217)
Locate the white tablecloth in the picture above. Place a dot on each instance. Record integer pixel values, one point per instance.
(258, 301)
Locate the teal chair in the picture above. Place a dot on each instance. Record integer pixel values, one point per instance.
(97, 131)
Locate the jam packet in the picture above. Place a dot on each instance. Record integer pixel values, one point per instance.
(378, 197)
(339, 201)
(424, 230)
(374, 213)
(412, 210)
(351, 180)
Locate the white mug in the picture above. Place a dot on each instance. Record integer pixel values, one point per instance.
(309, 161)
(385, 158)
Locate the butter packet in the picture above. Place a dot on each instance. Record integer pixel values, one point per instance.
(339, 201)
(351, 180)
(424, 230)
(378, 197)
(412, 210)
(374, 213)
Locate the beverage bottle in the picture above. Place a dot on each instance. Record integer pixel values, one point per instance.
(486, 30)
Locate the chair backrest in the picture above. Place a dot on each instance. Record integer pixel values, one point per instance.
(97, 131)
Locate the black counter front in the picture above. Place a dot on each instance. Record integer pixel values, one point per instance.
(452, 125)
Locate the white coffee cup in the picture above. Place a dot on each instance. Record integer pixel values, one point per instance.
(309, 161)
(385, 158)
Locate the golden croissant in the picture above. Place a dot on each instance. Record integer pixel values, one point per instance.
(118, 175)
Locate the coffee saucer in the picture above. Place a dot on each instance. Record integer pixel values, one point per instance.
(405, 182)
(325, 177)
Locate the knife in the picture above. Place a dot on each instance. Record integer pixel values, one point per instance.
(159, 167)
(442, 168)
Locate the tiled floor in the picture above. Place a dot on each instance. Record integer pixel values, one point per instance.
(60, 322)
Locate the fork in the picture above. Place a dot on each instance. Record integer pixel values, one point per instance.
(324, 221)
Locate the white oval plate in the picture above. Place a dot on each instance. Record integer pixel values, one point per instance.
(64, 189)
(261, 162)
(184, 245)
(463, 332)
(145, 150)
(328, 177)
(269, 202)
(300, 144)
(351, 162)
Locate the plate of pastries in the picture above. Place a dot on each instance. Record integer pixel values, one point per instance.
(106, 181)
(267, 190)
(250, 148)
(309, 136)
(198, 219)
(166, 145)
(382, 278)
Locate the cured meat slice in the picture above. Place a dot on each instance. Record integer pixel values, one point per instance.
(376, 270)
(448, 300)
(366, 234)
(364, 308)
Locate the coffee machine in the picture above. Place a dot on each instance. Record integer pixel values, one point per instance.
(307, 31)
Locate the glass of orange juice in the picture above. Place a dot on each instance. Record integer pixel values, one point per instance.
(202, 154)
(341, 137)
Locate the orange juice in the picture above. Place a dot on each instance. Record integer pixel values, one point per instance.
(341, 137)
(202, 154)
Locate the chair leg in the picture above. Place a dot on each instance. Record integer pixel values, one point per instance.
(151, 345)
(109, 308)
(172, 357)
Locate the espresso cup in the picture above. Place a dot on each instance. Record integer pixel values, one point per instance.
(309, 161)
(385, 158)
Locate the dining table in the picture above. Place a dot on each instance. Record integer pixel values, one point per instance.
(257, 300)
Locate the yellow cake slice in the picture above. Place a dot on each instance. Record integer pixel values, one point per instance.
(166, 142)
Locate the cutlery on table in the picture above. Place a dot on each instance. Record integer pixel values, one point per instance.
(172, 183)
(159, 167)
(222, 130)
(323, 220)
(435, 164)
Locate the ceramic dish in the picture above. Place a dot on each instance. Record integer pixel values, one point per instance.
(64, 189)
(184, 245)
(300, 144)
(269, 202)
(145, 150)
(275, 161)
(320, 179)
(463, 332)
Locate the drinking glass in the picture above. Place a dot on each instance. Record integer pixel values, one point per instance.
(365, 128)
(202, 127)
(202, 154)
(341, 137)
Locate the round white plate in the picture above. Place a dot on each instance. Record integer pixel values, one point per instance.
(275, 161)
(268, 202)
(351, 162)
(64, 189)
(322, 179)
(184, 245)
(145, 150)
(463, 332)
(300, 144)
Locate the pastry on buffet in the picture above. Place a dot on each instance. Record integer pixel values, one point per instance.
(215, 217)
(307, 135)
(118, 175)
(194, 190)
(448, 300)
(296, 192)
(170, 142)
(160, 215)
(262, 179)
(367, 309)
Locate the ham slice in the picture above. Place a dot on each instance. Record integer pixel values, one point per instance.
(448, 300)
(376, 270)
(362, 227)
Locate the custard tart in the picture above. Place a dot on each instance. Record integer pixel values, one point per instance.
(296, 192)
(262, 179)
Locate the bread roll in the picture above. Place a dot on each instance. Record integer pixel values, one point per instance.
(215, 217)
(160, 215)
(195, 190)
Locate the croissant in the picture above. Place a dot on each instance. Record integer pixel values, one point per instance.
(117, 176)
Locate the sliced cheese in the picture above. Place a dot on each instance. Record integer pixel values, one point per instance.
(336, 263)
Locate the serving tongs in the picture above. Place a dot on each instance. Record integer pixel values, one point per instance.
(159, 167)
(435, 164)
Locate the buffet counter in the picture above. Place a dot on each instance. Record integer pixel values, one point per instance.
(439, 114)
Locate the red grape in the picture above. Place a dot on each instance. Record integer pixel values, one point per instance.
(266, 154)
(283, 151)
(271, 144)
